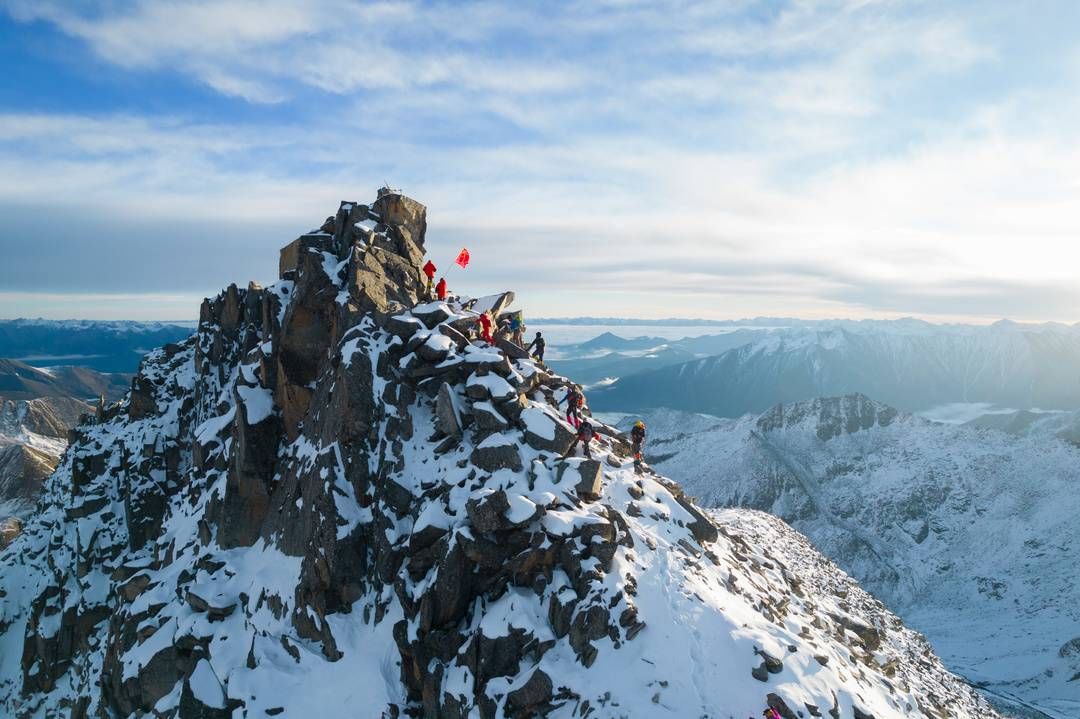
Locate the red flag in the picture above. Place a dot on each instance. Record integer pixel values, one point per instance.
(463, 258)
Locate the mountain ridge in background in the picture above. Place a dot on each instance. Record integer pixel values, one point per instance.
(967, 532)
(102, 345)
(1006, 365)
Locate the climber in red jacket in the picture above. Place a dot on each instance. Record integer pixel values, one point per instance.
(585, 435)
(440, 289)
(429, 270)
(485, 327)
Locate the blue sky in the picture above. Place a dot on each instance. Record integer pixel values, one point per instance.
(823, 158)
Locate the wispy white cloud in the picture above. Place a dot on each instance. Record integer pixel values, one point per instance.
(730, 159)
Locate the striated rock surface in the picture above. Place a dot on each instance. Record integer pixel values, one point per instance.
(330, 501)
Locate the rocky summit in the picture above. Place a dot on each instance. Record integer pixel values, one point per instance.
(331, 501)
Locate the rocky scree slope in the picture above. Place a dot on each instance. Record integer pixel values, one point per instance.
(968, 533)
(330, 500)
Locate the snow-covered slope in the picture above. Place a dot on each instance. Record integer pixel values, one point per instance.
(968, 533)
(331, 502)
(1004, 364)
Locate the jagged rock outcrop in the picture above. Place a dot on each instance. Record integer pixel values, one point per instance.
(333, 500)
(833, 416)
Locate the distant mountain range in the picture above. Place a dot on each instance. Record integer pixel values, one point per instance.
(968, 533)
(101, 345)
(19, 380)
(913, 366)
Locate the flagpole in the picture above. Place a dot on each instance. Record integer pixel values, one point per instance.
(464, 252)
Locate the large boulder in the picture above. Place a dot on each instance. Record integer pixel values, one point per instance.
(457, 337)
(488, 512)
(202, 696)
(497, 452)
(512, 349)
(435, 348)
(586, 475)
(532, 697)
(545, 432)
(432, 314)
(495, 304)
(487, 418)
(700, 526)
(403, 326)
(496, 511)
(447, 415)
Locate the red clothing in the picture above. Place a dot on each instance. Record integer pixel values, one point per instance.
(485, 328)
(429, 270)
(440, 289)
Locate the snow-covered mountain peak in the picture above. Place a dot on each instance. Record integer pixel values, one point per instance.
(332, 500)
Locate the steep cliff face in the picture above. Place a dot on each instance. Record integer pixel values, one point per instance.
(331, 500)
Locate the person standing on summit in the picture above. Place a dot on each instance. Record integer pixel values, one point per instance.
(484, 321)
(440, 289)
(429, 271)
(517, 328)
(539, 344)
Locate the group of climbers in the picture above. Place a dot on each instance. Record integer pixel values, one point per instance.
(431, 290)
(575, 406)
(514, 326)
